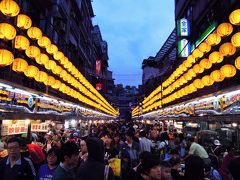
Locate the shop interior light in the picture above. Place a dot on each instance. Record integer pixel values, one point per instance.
(73, 122)
(27, 121)
(234, 124)
(66, 125)
(5, 85)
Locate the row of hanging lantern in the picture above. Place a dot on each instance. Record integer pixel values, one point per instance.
(21, 66)
(178, 78)
(152, 94)
(135, 111)
(184, 73)
(226, 71)
(8, 32)
(44, 42)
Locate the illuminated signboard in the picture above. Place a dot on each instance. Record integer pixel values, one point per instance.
(183, 26)
(183, 48)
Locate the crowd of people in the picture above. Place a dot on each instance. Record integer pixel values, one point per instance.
(116, 151)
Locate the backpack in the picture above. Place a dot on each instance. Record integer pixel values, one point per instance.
(164, 152)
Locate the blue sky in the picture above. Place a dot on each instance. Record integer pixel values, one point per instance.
(134, 30)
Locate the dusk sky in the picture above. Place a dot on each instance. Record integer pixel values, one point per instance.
(134, 30)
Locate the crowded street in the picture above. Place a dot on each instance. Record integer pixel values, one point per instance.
(119, 90)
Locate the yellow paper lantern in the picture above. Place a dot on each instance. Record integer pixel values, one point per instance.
(228, 70)
(51, 49)
(235, 40)
(224, 29)
(191, 59)
(9, 8)
(192, 73)
(19, 65)
(204, 47)
(198, 84)
(186, 90)
(50, 81)
(44, 41)
(182, 81)
(205, 63)
(183, 93)
(62, 87)
(192, 88)
(237, 62)
(58, 55)
(63, 74)
(74, 72)
(32, 52)
(187, 76)
(70, 80)
(197, 69)
(23, 21)
(197, 53)
(67, 90)
(41, 76)
(57, 84)
(7, 31)
(227, 49)
(50, 65)
(64, 60)
(234, 17)
(187, 64)
(21, 42)
(215, 57)
(207, 80)
(67, 77)
(213, 39)
(34, 33)
(6, 58)
(68, 66)
(217, 76)
(31, 71)
(42, 59)
(57, 70)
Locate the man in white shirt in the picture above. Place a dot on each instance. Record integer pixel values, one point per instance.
(197, 149)
(145, 143)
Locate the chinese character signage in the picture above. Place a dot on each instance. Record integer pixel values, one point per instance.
(183, 48)
(183, 27)
(39, 127)
(10, 127)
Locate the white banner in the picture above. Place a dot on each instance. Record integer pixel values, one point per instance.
(39, 127)
(10, 127)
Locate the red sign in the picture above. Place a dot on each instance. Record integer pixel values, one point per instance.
(98, 66)
(99, 86)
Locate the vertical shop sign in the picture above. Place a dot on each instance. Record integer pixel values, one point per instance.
(98, 66)
(183, 48)
(183, 27)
